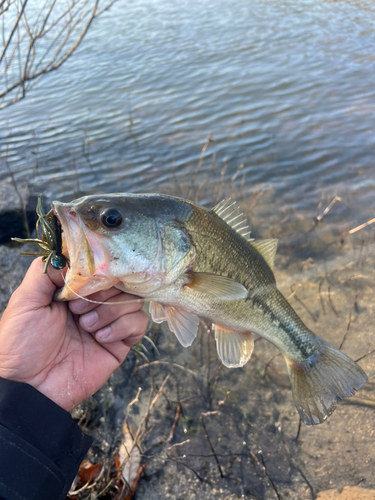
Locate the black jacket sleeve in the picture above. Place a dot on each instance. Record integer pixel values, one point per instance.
(41, 447)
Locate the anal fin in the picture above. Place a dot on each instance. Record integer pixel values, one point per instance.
(234, 348)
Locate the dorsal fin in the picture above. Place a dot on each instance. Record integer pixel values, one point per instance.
(267, 249)
(230, 213)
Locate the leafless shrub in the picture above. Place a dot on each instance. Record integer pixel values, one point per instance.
(38, 39)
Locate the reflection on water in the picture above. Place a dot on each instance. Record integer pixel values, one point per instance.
(285, 87)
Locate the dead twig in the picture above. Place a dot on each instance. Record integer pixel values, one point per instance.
(259, 452)
(135, 400)
(298, 430)
(354, 230)
(305, 479)
(178, 460)
(331, 303)
(255, 200)
(85, 487)
(294, 294)
(168, 363)
(360, 401)
(352, 278)
(202, 479)
(328, 208)
(235, 175)
(268, 476)
(320, 295)
(179, 444)
(269, 364)
(208, 140)
(142, 426)
(19, 196)
(211, 413)
(294, 290)
(175, 422)
(211, 447)
(365, 355)
(349, 322)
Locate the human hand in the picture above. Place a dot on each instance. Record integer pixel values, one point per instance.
(52, 345)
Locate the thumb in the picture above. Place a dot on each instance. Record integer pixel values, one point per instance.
(37, 288)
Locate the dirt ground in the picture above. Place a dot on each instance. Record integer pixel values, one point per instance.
(348, 493)
(206, 431)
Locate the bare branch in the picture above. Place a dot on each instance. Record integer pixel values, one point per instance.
(37, 41)
(13, 31)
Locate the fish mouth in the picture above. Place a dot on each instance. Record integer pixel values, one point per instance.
(87, 270)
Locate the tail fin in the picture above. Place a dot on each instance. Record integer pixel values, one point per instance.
(325, 377)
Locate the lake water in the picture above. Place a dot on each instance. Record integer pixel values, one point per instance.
(286, 89)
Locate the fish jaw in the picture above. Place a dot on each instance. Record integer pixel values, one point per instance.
(88, 270)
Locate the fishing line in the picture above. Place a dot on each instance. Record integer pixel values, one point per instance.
(133, 301)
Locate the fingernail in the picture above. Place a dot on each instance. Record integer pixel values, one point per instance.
(79, 305)
(90, 319)
(104, 333)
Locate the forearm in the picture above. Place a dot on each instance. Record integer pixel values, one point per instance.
(41, 447)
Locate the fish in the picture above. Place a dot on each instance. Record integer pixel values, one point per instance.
(191, 262)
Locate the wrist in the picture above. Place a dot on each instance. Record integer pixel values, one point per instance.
(60, 396)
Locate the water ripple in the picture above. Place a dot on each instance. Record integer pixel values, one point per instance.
(285, 87)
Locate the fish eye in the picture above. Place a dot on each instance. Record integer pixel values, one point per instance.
(111, 217)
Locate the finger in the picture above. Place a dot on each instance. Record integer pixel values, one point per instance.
(129, 329)
(56, 275)
(81, 306)
(37, 286)
(105, 314)
(118, 349)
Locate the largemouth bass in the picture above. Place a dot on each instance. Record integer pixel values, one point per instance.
(191, 262)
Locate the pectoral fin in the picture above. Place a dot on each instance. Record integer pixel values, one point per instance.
(157, 312)
(234, 348)
(217, 286)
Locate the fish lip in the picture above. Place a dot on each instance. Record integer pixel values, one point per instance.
(86, 273)
(58, 209)
(70, 236)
